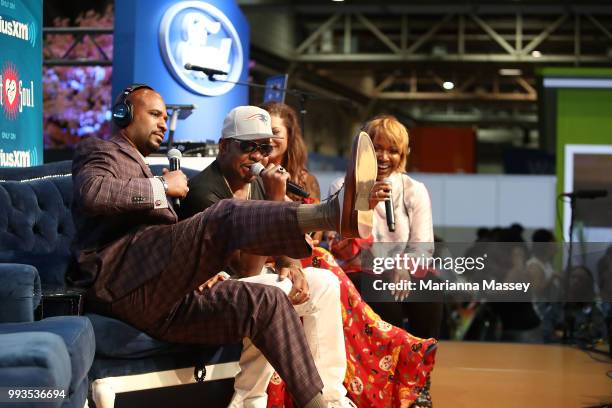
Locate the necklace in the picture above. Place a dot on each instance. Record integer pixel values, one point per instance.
(248, 197)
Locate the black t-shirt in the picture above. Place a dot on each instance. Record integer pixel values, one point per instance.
(208, 188)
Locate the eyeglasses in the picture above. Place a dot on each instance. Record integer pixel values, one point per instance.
(249, 146)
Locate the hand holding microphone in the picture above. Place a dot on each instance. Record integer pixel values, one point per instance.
(279, 172)
(381, 191)
(175, 178)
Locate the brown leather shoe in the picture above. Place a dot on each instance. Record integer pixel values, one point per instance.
(355, 213)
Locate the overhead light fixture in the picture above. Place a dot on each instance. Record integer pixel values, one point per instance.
(536, 54)
(448, 85)
(510, 72)
(337, 1)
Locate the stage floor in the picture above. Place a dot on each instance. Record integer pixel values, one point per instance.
(470, 374)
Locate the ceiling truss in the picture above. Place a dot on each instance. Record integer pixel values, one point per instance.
(401, 55)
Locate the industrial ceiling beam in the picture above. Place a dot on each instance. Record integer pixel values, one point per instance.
(503, 58)
(382, 37)
(543, 35)
(318, 33)
(383, 51)
(498, 39)
(427, 36)
(456, 96)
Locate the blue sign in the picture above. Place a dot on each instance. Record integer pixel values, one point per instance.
(21, 142)
(275, 88)
(153, 41)
(198, 33)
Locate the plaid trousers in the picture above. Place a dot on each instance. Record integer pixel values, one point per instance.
(186, 254)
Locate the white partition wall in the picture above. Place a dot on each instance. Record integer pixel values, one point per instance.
(473, 200)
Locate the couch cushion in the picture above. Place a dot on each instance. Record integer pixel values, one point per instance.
(116, 339)
(117, 342)
(34, 359)
(77, 333)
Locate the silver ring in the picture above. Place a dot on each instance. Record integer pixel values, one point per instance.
(281, 169)
(377, 194)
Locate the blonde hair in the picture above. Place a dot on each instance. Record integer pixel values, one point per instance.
(390, 129)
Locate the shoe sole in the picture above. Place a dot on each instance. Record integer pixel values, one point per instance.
(357, 216)
(365, 172)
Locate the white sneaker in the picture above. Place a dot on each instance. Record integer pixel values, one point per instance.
(343, 403)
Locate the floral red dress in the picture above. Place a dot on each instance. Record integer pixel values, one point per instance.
(386, 366)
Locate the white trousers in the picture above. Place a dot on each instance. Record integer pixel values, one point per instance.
(322, 317)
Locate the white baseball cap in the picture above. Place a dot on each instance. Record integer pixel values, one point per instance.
(247, 123)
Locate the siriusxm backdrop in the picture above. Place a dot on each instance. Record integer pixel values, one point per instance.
(21, 143)
(154, 39)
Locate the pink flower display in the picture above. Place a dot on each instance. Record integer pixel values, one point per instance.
(76, 99)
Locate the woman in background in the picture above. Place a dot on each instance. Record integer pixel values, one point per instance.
(290, 150)
(386, 366)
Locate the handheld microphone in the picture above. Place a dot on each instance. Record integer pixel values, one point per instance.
(174, 161)
(257, 168)
(591, 194)
(389, 210)
(208, 71)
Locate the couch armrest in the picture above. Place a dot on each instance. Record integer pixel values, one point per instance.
(34, 359)
(19, 292)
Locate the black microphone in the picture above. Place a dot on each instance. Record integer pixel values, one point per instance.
(174, 161)
(591, 194)
(389, 210)
(208, 71)
(257, 168)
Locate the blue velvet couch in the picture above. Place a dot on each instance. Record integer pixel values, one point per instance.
(36, 230)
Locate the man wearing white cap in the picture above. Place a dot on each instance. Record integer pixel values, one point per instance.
(315, 293)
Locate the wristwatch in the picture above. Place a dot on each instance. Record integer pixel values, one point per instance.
(164, 183)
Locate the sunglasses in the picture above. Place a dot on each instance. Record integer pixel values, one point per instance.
(249, 146)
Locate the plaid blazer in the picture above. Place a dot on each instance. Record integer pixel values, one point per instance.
(112, 201)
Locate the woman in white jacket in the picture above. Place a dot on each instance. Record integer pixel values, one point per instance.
(413, 233)
(413, 222)
(413, 236)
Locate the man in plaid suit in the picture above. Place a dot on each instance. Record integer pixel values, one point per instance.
(143, 267)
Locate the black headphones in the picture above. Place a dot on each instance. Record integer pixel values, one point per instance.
(123, 110)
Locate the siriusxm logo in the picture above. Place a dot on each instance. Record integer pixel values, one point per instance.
(197, 33)
(15, 95)
(17, 29)
(17, 158)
